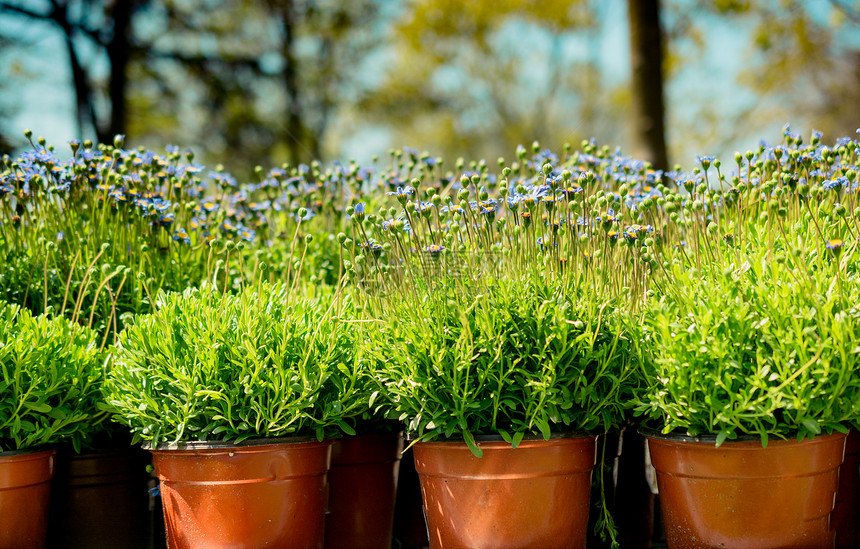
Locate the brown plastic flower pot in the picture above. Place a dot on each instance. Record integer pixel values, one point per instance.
(100, 500)
(846, 513)
(536, 495)
(269, 493)
(743, 496)
(362, 487)
(25, 492)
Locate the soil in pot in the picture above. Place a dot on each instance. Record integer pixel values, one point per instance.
(536, 495)
(257, 495)
(743, 496)
(25, 492)
(100, 500)
(362, 487)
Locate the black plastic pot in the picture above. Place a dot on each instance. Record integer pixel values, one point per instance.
(100, 500)
(410, 527)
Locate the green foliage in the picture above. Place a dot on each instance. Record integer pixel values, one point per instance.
(51, 374)
(520, 357)
(214, 366)
(95, 237)
(753, 352)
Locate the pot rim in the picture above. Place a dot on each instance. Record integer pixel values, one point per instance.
(674, 436)
(411, 436)
(26, 451)
(223, 444)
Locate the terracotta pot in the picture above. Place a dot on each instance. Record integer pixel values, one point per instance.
(25, 492)
(741, 495)
(269, 493)
(846, 513)
(536, 495)
(362, 486)
(100, 500)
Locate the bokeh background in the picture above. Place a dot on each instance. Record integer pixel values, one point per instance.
(247, 83)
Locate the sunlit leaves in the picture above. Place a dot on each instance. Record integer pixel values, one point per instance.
(50, 379)
(753, 355)
(508, 360)
(260, 363)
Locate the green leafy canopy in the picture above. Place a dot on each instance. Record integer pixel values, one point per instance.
(213, 366)
(753, 352)
(51, 374)
(521, 357)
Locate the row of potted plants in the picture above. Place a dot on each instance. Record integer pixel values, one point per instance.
(502, 319)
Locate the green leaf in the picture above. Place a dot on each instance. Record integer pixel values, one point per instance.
(470, 442)
(40, 407)
(518, 437)
(811, 425)
(345, 427)
(543, 426)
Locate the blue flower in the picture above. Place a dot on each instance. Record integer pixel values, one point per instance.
(706, 161)
(371, 246)
(540, 191)
(247, 234)
(834, 244)
(571, 190)
(630, 233)
(836, 184)
(434, 249)
(181, 235)
(402, 193)
(790, 135)
(223, 179)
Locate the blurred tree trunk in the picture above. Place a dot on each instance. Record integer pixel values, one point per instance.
(119, 53)
(295, 127)
(113, 36)
(84, 111)
(646, 56)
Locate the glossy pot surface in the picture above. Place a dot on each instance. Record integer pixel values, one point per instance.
(536, 495)
(244, 496)
(743, 496)
(25, 492)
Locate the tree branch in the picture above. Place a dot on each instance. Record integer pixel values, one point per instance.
(850, 14)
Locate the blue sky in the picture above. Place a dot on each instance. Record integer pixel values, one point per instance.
(41, 96)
